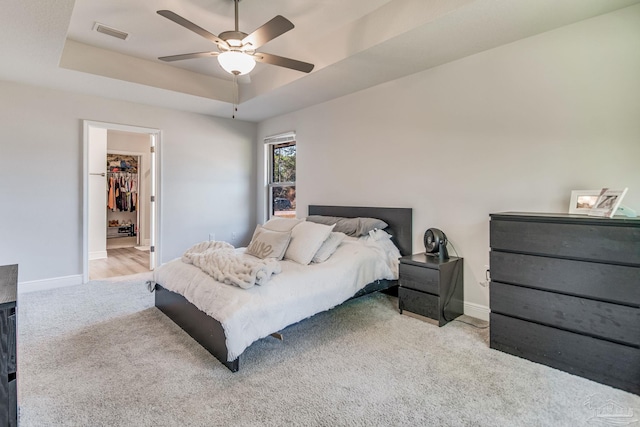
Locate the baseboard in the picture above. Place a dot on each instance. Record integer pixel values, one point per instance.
(97, 255)
(45, 284)
(476, 310)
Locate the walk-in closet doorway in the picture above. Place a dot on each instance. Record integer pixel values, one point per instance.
(120, 209)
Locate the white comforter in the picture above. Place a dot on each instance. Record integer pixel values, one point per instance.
(220, 261)
(297, 293)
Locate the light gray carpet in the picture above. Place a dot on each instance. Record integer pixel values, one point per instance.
(102, 355)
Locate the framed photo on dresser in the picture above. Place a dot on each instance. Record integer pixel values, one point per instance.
(582, 201)
(607, 203)
(603, 202)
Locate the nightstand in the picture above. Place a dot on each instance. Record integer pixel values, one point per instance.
(431, 287)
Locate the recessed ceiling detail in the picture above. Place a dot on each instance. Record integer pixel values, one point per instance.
(354, 45)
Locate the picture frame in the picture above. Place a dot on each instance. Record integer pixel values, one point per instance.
(608, 202)
(582, 201)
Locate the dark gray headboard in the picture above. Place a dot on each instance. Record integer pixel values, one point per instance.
(399, 220)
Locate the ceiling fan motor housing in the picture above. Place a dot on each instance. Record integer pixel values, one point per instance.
(233, 38)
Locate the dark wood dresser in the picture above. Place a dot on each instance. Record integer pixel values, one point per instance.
(8, 322)
(431, 287)
(565, 292)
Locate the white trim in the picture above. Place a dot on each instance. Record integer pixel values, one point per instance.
(157, 133)
(269, 143)
(97, 255)
(476, 310)
(281, 138)
(46, 284)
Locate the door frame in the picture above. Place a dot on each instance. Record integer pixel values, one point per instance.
(156, 182)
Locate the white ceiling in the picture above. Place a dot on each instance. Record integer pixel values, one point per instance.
(354, 44)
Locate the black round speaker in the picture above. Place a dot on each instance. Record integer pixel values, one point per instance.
(435, 241)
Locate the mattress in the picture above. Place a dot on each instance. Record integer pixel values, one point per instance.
(298, 292)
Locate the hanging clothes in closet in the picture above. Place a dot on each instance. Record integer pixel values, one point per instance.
(122, 188)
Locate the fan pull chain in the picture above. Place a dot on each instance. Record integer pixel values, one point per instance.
(235, 96)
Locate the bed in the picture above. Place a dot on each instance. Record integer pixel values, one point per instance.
(211, 333)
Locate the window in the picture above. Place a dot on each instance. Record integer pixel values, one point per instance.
(282, 178)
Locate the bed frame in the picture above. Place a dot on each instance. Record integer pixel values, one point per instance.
(209, 332)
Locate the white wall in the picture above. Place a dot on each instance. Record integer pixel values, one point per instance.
(207, 176)
(514, 128)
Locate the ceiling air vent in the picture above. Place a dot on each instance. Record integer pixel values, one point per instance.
(110, 31)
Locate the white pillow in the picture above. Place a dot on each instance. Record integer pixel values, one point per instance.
(328, 247)
(306, 239)
(268, 243)
(281, 224)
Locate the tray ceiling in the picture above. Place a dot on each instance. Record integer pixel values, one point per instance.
(354, 45)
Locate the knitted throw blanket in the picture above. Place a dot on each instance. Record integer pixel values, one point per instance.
(220, 261)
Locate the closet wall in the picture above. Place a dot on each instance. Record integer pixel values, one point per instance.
(123, 204)
(125, 143)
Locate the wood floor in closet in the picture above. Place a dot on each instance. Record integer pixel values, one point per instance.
(119, 262)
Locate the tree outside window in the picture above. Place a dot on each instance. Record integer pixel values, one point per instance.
(282, 185)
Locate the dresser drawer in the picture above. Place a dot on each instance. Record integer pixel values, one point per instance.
(586, 241)
(599, 319)
(419, 303)
(605, 282)
(608, 363)
(418, 278)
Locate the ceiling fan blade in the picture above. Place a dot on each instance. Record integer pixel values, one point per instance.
(191, 26)
(281, 61)
(187, 56)
(269, 31)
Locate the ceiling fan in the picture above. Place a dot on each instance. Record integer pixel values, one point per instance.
(237, 50)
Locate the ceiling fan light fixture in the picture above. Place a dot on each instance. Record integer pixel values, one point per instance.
(238, 63)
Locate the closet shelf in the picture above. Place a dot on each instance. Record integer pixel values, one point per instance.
(128, 230)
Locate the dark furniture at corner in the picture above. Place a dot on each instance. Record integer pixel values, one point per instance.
(565, 292)
(431, 287)
(8, 382)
